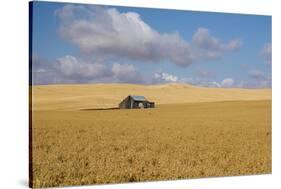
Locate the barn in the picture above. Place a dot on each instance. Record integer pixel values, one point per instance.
(135, 102)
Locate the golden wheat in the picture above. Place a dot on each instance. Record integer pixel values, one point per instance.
(172, 141)
(87, 96)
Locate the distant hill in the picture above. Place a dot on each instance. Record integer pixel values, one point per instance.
(87, 96)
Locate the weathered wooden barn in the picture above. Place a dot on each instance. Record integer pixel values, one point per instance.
(135, 102)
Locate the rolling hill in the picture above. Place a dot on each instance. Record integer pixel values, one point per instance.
(83, 96)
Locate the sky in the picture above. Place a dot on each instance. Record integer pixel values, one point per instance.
(80, 43)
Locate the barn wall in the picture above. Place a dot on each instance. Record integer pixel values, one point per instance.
(125, 103)
(129, 103)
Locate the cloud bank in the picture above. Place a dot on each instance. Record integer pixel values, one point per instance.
(69, 69)
(108, 32)
(259, 79)
(70, 66)
(165, 77)
(113, 43)
(227, 82)
(207, 46)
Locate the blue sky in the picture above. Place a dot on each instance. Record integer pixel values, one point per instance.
(75, 43)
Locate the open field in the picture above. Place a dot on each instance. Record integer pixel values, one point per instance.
(176, 140)
(76, 97)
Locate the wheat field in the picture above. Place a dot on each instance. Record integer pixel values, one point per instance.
(193, 132)
(89, 96)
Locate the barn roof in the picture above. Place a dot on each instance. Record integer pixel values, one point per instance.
(138, 98)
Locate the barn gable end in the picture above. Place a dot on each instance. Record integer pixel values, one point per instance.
(135, 102)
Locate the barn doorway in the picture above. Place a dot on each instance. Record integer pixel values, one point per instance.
(141, 105)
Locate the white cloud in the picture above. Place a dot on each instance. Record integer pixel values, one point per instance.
(233, 45)
(214, 84)
(199, 81)
(126, 73)
(70, 66)
(70, 69)
(203, 82)
(165, 77)
(260, 79)
(255, 84)
(227, 82)
(39, 64)
(42, 70)
(209, 47)
(106, 37)
(266, 52)
(108, 32)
